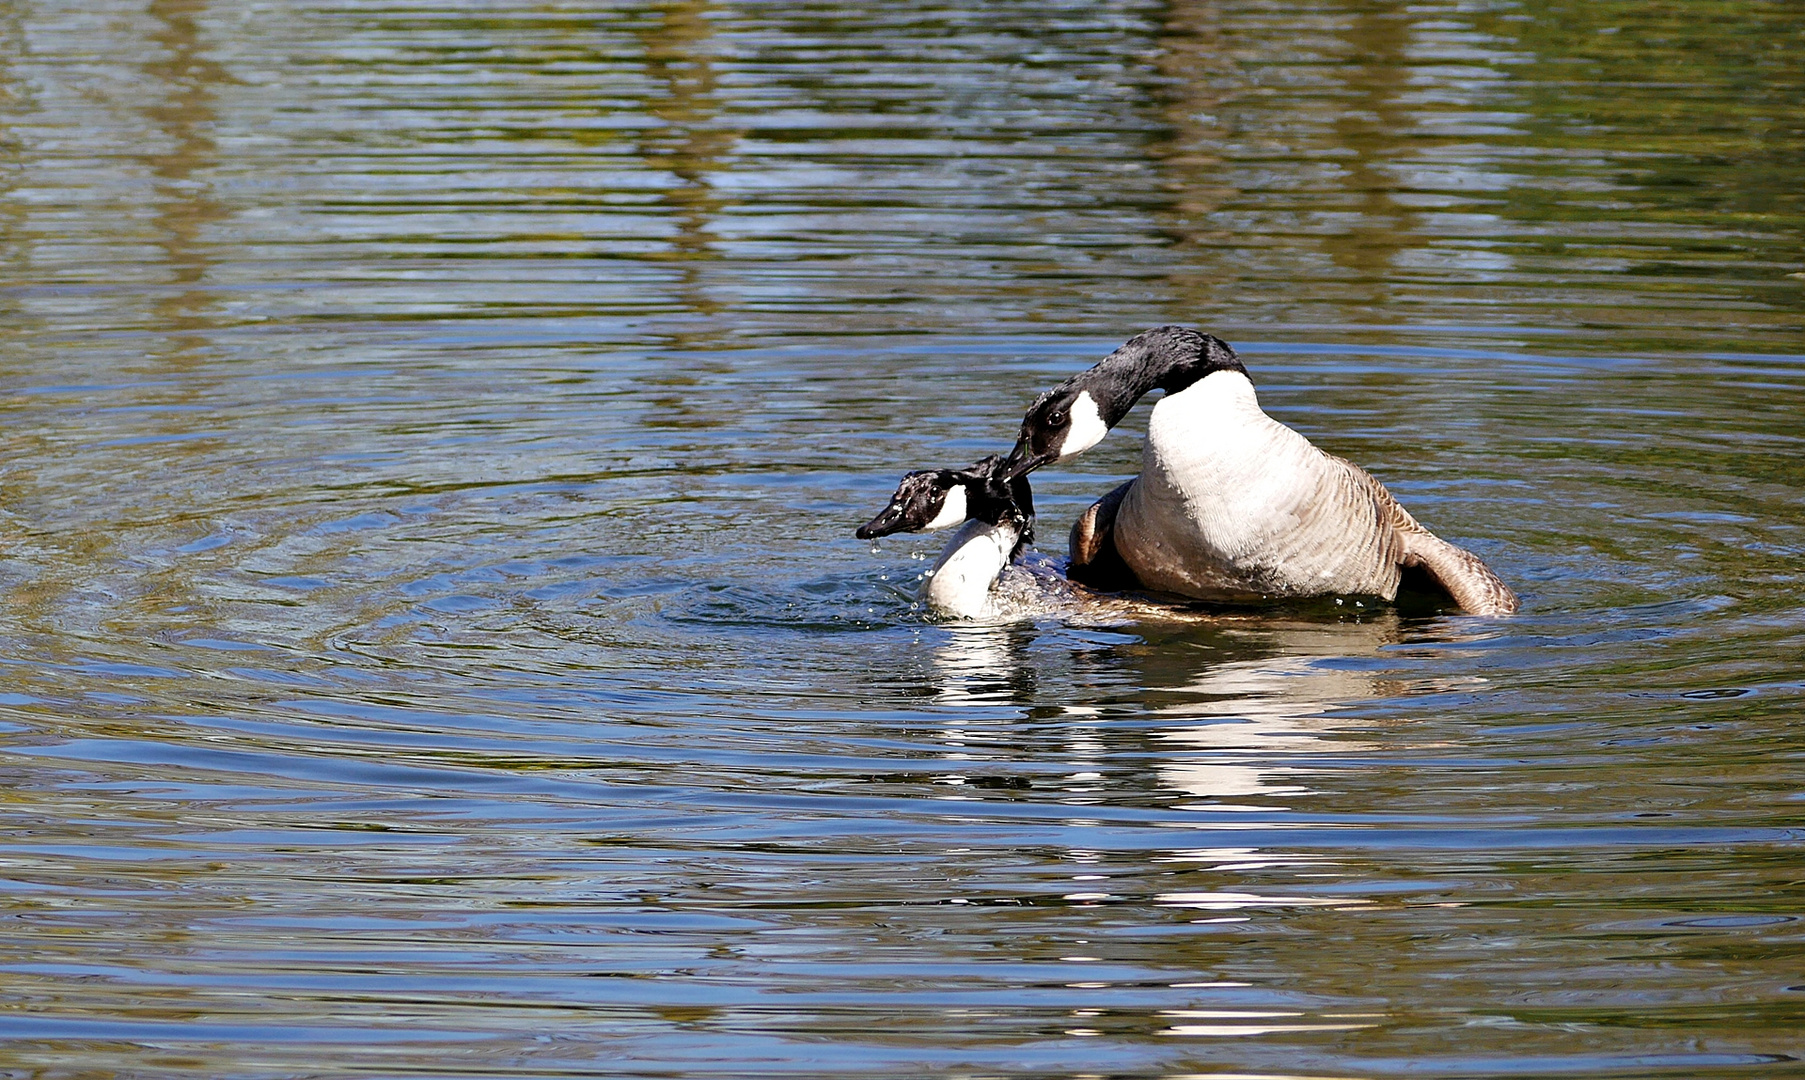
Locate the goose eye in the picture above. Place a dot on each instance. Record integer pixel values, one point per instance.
(1056, 418)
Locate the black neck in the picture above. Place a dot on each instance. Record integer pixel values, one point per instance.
(996, 501)
(1169, 358)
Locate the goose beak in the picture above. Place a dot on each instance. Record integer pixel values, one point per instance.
(1022, 461)
(889, 520)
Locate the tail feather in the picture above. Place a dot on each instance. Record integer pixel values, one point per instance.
(1460, 573)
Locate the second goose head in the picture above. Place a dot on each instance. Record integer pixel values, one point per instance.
(941, 498)
(1075, 415)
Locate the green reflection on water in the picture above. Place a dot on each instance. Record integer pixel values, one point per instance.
(1627, 174)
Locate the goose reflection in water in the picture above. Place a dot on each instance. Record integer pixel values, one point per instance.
(1252, 698)
(1273, 694)
(1248, 712)
(981, 664)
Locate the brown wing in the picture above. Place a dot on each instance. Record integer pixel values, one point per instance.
(1457, 571)
(1095, 561)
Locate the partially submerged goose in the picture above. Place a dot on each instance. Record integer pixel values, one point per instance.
(1231, 505)
(986, 572)
(995, 518)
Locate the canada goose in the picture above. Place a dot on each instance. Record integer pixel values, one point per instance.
(1231, 505)
(996, 518)
(986, 571)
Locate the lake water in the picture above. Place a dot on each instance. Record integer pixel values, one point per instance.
(431, 636)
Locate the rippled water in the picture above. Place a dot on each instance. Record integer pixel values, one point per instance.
(431, 639)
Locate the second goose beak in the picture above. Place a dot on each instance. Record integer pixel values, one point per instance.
(888, 520)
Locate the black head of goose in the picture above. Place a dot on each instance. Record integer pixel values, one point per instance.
(1075, 415)
(1231, 505)
(996, 516)
(931, 499)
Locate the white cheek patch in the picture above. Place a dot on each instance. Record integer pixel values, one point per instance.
(952, 512)
(1087, 429)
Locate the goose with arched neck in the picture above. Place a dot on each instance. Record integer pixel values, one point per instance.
(1231, 505)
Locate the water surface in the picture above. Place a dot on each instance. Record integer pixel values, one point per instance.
(432, 642)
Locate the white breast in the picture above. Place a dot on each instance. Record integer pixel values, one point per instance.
(959, 584)
(1232, 504)
(1219, 461)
